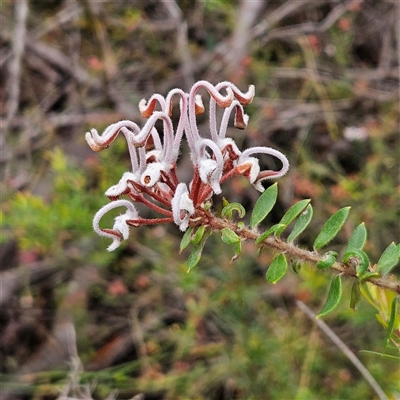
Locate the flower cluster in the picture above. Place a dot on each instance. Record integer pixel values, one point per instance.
(153, 179)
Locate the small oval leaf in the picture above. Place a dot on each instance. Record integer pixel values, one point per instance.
(277, 269)
(195, 255)
(229, 237)
(229, 208)
(334, 295)
(392, 320)
(269, 232)
(357, 258)
(198, 235)
(301, 223)
(331, 227)
(357, 239)
(292, 213)
(328, 260)
(264, 205)
(186, 239)
(355, 295)
(367, 275)
(238, 248)
(389, 259)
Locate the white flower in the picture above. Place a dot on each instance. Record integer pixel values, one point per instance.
(122, 187)
(182, 203)
(152, 174)
(210, 173)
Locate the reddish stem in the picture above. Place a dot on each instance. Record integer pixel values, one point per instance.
(146, 221)
(155, 207)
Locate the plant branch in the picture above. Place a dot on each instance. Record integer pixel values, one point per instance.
(296, 253)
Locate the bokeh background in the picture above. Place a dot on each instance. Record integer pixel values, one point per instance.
(78, 321)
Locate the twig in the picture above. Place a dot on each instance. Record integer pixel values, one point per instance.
(307, 27)
(109, 59)
(21, 14)
(296, 253)
(247, 14)
(277, 15)
(344, 349)
(182, 41)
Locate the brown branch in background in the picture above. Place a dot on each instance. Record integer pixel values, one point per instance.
(181, 41)
(18, 47)
(307, 28)
(93, 13)
(247, 14)
(277, 15)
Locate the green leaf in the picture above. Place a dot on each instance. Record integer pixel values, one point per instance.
(355, 295)
(358, 259)
(277, 269)
(186, 239)
(389, 259)
(238, 248)
(392, 320)
(264, 205)
(383, 355)
(328, 260)
(301, 223)
(227, 210)
(267, 233)
(334, 295)
(366, 275)
(357, 239)
(331, 227)
(229, 237)
(195, 255)
(291, 214)
(296, 266)
(198, 234)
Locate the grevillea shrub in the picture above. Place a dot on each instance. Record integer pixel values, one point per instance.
(153, 181)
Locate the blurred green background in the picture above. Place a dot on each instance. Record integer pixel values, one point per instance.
(79, 321)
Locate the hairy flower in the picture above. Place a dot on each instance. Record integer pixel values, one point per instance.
(153, 179)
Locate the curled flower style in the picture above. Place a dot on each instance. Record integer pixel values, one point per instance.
(120, 229)
(153, 179)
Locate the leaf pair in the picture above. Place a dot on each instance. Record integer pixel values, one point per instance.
(198, 238)
(263, 207)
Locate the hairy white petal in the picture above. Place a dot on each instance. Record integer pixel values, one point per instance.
(114, 245)
(225, 142)
(122, 186)
(209, 173)
(206, 168)
(152, 174)
(182, 203)
(254, 169)
(120, 226)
